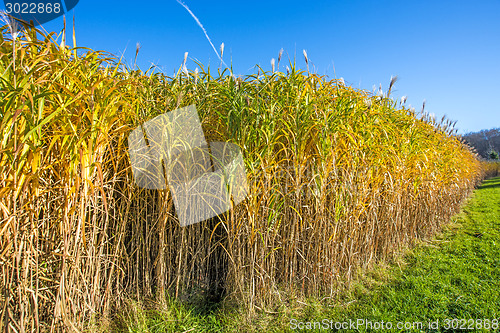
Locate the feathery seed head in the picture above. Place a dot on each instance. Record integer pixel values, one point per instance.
(11, 24)
(368, 103)
(380, 91)
(137, 48)
(391, 84)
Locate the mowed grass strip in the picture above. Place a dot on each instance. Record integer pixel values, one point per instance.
(456, 274)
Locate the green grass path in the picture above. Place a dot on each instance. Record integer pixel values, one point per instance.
(455, 275)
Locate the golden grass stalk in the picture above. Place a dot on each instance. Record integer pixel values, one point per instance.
(338, 178)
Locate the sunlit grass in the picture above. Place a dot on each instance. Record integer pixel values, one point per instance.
(338, 178)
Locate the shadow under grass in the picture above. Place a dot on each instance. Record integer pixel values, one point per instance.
(170, 315)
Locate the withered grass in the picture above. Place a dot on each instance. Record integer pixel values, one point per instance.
(338, 178)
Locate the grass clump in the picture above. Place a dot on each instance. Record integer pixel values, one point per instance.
(454, 275)
(490, 169)
(338, 178)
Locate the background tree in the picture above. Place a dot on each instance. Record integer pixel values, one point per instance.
(485, 141)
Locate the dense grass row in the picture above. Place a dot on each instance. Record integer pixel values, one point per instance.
(339, 178)
(453, 275)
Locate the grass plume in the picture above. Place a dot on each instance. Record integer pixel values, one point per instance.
(338, 178)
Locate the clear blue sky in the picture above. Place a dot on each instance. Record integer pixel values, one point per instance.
(446, 52)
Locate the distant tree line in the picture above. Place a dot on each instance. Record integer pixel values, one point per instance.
(486, 142)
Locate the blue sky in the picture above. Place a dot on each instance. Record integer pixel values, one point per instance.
(446, 52)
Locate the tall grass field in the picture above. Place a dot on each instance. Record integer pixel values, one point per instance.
(338, 179)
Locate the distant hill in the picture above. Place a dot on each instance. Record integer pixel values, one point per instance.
(484, 141)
